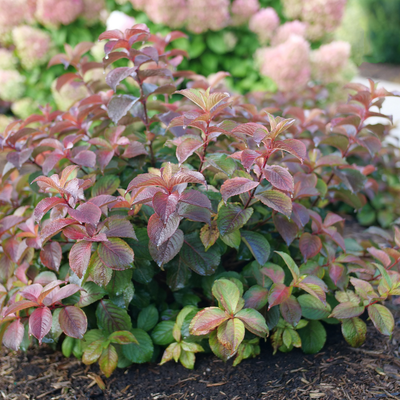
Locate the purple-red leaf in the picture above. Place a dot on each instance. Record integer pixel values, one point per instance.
(13, 335)
(168, 250)
(79, 257)
(165, 204)
(87, 213)
(235, 186)
(279, 177)
(51, 255)
(310, 245)
(54, 227)
(40, 323)
(115, 254)
(187, 148)
(73, 322)
(278, 294)
(45, 205)
(287, 229)
(276, 200)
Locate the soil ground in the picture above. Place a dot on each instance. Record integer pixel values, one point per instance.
(338, 372)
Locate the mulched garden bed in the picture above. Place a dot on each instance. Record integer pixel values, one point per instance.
(338, 372)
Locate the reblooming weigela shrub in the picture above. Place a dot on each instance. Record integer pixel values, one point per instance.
(163, 212)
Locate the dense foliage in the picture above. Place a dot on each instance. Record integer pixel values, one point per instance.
(231, 38)
(162, 215)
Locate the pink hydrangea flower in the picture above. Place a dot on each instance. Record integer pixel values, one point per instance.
(12, 13)
(7, 59)
(287, 29)
(207, 14)
(322, 16)
(292, 8)
(32, 45)
(330, 60)
(55, 12)
(243, 10)
(137, 4)
(264, 23)
(11, 85)
(172, 13)
(92, 9)
(287, 64)
(119, 20)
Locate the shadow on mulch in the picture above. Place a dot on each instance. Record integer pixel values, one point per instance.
(339, 372)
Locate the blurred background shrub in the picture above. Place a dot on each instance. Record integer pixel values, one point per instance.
(264, 44)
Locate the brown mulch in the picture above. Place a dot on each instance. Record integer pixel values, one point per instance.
(338, 372)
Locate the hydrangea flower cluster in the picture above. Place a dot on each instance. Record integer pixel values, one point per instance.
(12, 13)
(92, 10)
(288, 64)
(32, 45)
(52, 13)
(207, 14)
(288, 29)
(243, 10)
(11, 85)
(7, 59)
(264, 23)
(330, 60)
(321, 16)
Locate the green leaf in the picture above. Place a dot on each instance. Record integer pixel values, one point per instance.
(119, 282)
(232, 239)
(253, 321)
(148, 318)
(227, 294)
(142, 352)
(196, 258)
(276, 200)
(111, 318)
(382, 318)
(232, 217)
(162, 333)
(122, 337)
(98, 271)
(143, 271)
(354, 331)
(352, 178)
(222, 162)
(347, 310)
(106, 184)
(207, 320)
(313, 308)
(294, 269)
(258, 245)
(108, 360)
(91, 336)
(93, 352)
(90, 294)
(140, 246)
(313, 337)
(217, 348)
(187, 359)
(231, 333)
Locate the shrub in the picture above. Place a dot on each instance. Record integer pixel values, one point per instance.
(147, 218)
